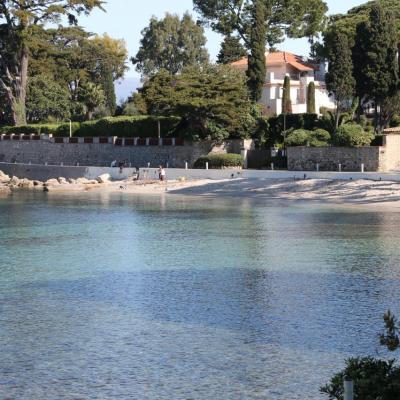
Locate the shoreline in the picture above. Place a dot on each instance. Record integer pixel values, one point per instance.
(374, 194)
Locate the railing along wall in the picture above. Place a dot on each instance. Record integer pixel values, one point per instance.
(114, 140)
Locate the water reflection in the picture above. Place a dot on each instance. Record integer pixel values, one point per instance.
(149, 297)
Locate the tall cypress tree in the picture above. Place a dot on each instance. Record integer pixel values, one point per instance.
(109, 90)
(311, 98)
(286, 100)
(257, 69)
(339, 80)
(375, 59)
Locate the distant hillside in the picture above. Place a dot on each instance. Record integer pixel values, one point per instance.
(125, 87)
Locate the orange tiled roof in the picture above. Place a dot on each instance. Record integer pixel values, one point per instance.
(279, 57)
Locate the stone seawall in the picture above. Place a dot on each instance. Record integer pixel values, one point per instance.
(95, 154)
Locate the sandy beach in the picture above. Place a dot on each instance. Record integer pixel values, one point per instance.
(363, 192)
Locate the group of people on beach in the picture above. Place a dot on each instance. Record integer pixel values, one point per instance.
(162, 174)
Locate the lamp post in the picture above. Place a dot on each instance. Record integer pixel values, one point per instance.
(70, 128)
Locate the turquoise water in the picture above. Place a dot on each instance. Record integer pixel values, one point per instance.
(118, 297)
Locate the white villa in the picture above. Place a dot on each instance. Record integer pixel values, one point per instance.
(301, 72)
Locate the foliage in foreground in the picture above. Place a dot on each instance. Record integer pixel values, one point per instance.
(218, 161)
(374, 379)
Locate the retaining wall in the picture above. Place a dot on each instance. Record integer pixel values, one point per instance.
(328, 158)
(384, 158)
(89, 154)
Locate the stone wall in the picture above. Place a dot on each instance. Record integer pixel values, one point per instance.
(328, 158)
(46, 151)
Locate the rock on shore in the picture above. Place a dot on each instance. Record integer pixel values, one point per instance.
(9, 184)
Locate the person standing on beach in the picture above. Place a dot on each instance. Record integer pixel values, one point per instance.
(162, 173)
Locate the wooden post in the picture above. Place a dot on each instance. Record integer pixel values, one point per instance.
(348, 389)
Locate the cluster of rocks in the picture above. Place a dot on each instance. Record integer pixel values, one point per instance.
(8, 184)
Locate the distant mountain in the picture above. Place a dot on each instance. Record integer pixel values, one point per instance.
(125, 87)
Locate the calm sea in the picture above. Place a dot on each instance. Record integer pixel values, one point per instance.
(121, 297)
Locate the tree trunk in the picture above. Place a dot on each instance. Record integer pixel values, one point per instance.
(16, 90)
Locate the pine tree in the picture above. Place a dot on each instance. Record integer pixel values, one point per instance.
(339, 80)
(375, 59)
(257, 69)
(231, 50)
(311, 98)
(286, 101)
(171, 43)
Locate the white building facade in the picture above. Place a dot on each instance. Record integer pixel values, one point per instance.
(301, 73)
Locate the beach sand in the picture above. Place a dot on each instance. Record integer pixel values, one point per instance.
(360, 192)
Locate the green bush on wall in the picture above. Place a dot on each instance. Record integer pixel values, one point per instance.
(302, 137)
(218, 161)
(352, 135)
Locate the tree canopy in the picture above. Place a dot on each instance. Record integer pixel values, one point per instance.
(171, 43)
(340, 80)
(294, 18)
(211, 100)
(375, 58)
(18, 17)
(231, 50)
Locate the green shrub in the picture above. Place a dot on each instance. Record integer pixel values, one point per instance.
(320, 138)
(218, 161)
(373, 379)
(395, 121)
(302, 137)
(352, 135)
(298, 137)
(63, 129)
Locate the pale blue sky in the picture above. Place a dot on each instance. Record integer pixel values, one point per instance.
(126, 18)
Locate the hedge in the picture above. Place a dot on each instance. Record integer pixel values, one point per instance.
(33, 128)
(130, 126)
(124, 126)
(64, 129)
(218, 161)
